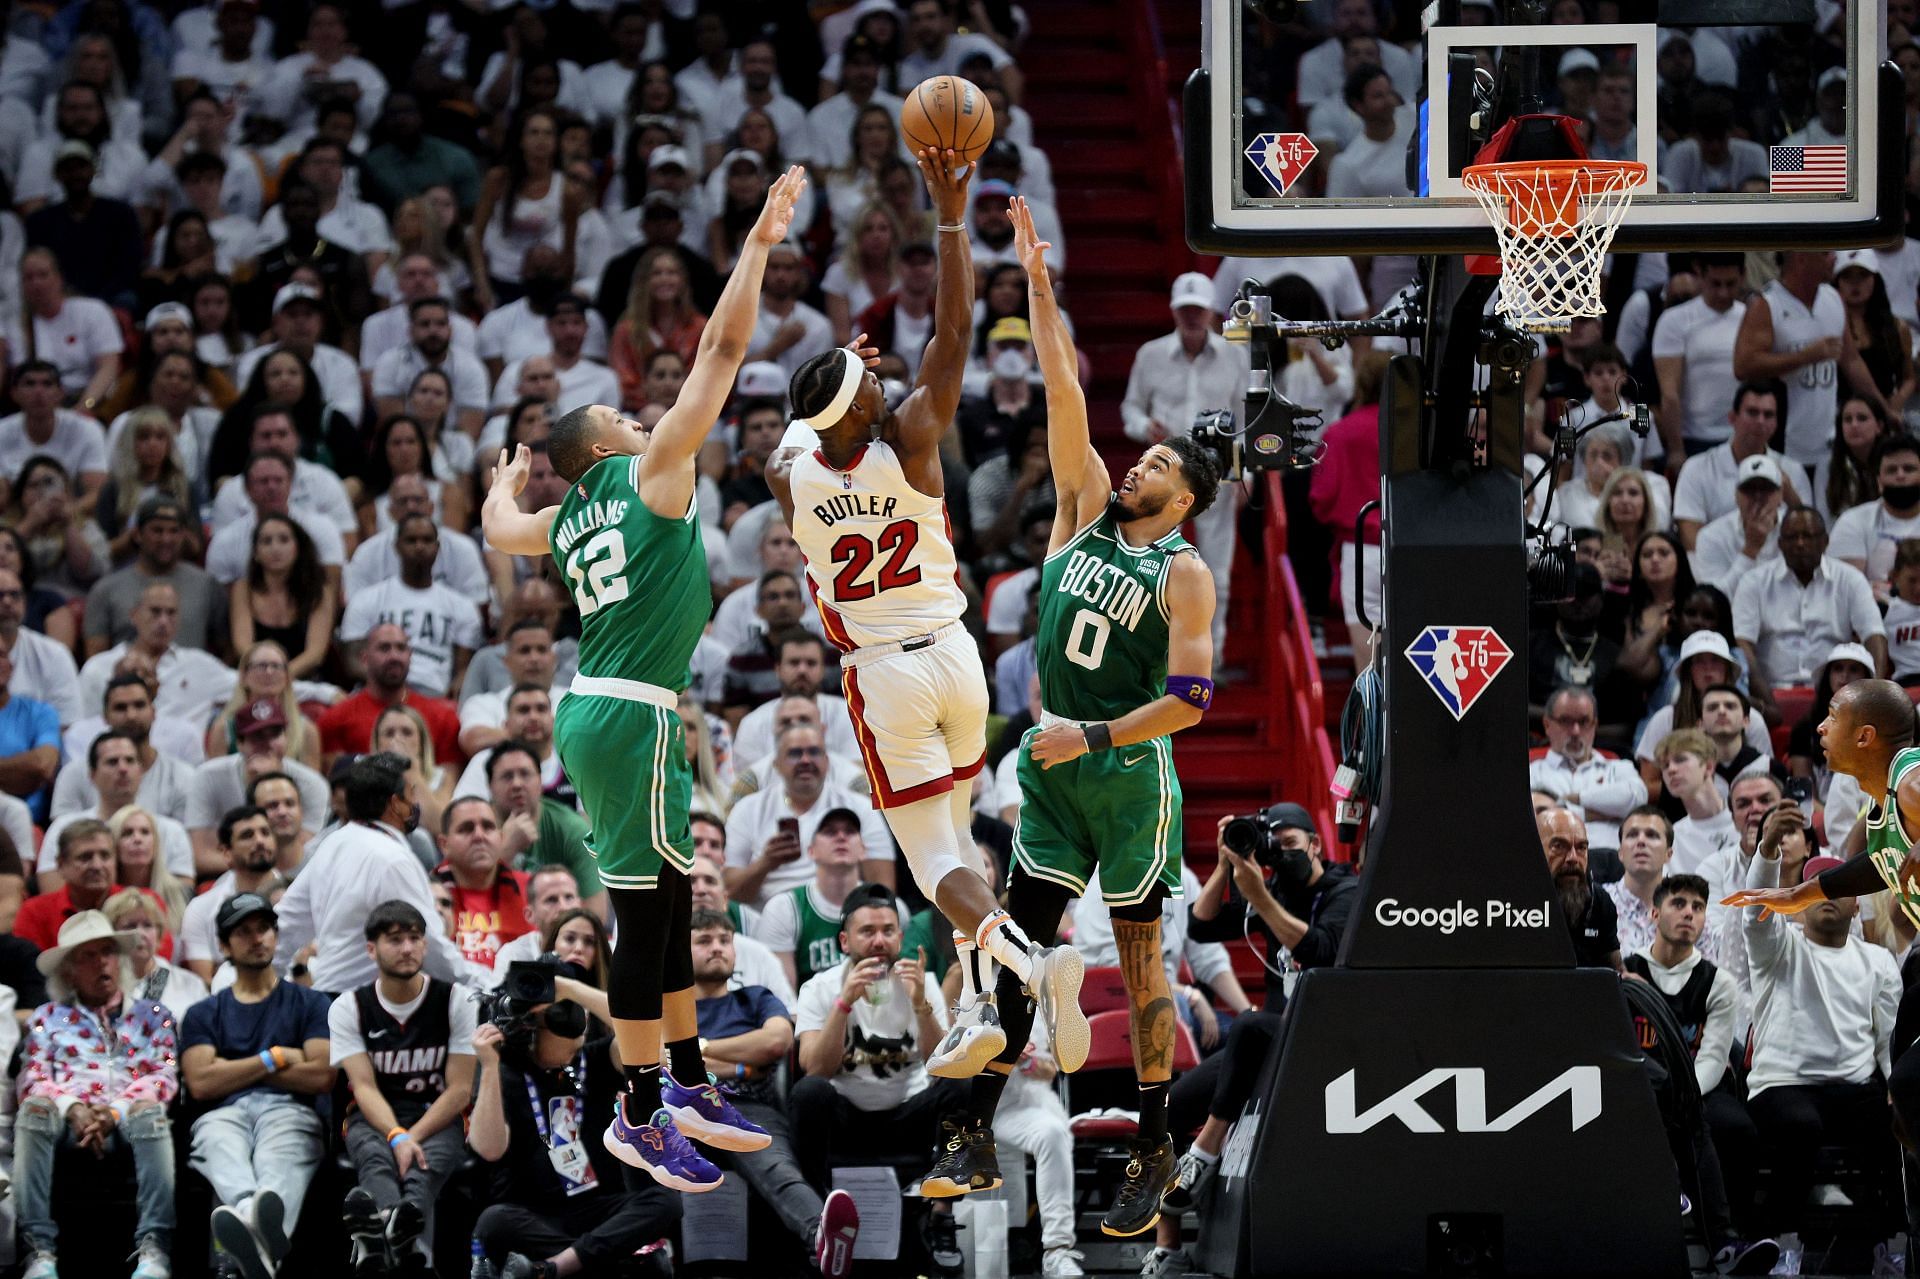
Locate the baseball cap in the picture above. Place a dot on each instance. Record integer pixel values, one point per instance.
(239, 908)
(73, 149)
(1577, 60)
(1192, 289)
(993, 186)
(1815, 865)
(258, 716)
(1286, 816)
(866, 895)
(669, 153)
(1710, 643)
(1856, 259)
(337, 775)
(847, 813)
(1830, 76)
(168, 311)
(741, 155)
(1850, 652)
(1010, 328)
(762, 379)
(664, 202)
(566, 302)
(918, 248)
(295, 292)
(1759, 467)
(159, 508)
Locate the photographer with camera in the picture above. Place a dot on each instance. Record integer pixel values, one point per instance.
(1270, 879)
(561, 1204)
(405, 1043)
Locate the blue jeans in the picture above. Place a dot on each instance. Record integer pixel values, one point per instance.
(261, 1140)
(39, 1132)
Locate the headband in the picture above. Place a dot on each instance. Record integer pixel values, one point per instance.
(854, 370)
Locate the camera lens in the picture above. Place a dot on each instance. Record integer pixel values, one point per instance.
(1244, 836)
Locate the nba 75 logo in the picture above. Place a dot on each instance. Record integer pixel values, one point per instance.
(1458, 662)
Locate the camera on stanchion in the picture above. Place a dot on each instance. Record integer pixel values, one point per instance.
(1269, 442)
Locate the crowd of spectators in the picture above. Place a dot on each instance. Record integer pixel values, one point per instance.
(278, 791)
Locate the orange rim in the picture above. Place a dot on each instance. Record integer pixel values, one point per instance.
(1557, 187)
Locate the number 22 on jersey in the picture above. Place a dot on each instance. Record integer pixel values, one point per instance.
(597, 571)
(856, 554)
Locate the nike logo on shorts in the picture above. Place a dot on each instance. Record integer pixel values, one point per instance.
(1129, 763)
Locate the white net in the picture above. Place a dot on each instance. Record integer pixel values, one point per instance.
(1555, 220)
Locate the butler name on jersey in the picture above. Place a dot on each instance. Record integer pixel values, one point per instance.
(879, 552)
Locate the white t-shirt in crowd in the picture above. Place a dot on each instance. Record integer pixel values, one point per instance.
(82, 332)
(882, 1066)
(77, 443)
(1696, 840)
(1903, 637)
(437, 620)
(1871, 534)
(1703, 337)
(315, 488)
(1706, 487)
(232, 546)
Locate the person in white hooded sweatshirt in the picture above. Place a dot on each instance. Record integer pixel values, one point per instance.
(1823, 1012)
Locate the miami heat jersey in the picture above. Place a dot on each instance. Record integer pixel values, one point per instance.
(879, 552)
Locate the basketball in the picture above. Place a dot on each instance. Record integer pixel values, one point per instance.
(947, 111)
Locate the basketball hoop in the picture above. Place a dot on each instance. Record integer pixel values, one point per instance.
(1555, 219)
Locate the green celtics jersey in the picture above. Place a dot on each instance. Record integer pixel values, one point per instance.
(1102, 642)
(1887, 842)
(816, 936)
(640, 581)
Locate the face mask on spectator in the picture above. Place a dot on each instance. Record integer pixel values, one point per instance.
(1011, 363)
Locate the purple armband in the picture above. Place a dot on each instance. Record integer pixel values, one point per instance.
(1191, 689)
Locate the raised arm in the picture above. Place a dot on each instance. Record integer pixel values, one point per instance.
(1080, 481)
(928, 412)
(509, 528)
(667, 473)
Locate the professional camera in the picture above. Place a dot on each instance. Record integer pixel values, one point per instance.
(510, 1005)
(1255, 447)
(1256, 835)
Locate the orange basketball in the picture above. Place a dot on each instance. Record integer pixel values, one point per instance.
(947, 111)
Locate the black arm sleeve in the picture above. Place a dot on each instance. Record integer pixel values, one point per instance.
(1855, 879)
(1227, 925)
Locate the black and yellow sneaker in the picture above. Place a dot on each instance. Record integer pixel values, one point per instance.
(967, 1162)
(1136, 1205)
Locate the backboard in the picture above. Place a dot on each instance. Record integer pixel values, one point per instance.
(1762, 123)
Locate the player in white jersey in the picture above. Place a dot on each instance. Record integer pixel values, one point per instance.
(864, 494)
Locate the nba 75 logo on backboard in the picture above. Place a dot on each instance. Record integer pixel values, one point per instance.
(1281, 158)
(1458, 662)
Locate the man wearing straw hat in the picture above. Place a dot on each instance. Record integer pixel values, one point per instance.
(98, 1070)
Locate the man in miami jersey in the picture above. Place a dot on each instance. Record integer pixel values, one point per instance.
(866, 501)
(1123, 601)
(1868, 734)
(627, 540)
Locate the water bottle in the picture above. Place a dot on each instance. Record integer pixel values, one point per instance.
(482, 1268)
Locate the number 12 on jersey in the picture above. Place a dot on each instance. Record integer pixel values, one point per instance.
(856, 554)
(597, 571)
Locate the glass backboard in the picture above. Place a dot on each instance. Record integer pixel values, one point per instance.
(1341, 126)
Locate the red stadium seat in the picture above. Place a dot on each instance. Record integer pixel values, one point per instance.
(1103, 990)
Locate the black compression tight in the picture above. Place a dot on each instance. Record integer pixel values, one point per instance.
(655, 954)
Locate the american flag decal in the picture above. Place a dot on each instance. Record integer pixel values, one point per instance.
(1800, 169)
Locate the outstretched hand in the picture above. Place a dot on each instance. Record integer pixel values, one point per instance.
(863, 347)
(510, 476)
(1027, 245)
(947, 177)
(1777, 901)
(776, 215)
